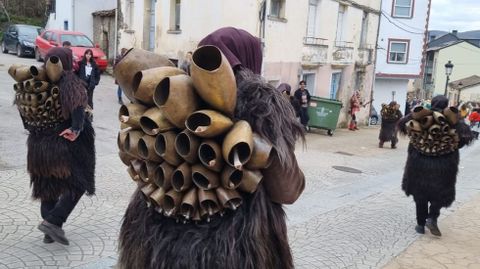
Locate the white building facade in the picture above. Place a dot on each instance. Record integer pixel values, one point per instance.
(76, 15)
(400, 49)
(328, 43)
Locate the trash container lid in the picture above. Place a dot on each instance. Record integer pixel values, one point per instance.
(326, 100)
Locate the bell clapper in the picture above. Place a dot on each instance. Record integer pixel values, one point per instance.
(212, 163)
(124, 119)
(232, 205)
(236, 160)
(210, 210)
(231, 185)
(201, 129)
(124, 130)
(156, 131)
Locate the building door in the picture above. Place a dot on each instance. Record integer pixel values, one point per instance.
(310, 79)
(335, 84)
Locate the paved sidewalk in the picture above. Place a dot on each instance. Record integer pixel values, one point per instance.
(459, 246)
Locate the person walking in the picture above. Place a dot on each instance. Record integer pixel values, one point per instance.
(61, 148)
(117, 60)
(432, 164)
(255, 234)
(89, 72)
(354, 108)
(303, 97)
(390, 116)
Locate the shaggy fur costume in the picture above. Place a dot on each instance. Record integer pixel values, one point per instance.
(433, 177)
(253, 236)
(56, 165)
(388, 131)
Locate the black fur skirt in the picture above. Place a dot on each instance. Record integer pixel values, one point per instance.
(433, 178)
(254, 236)
(57, 165)
(388, 132)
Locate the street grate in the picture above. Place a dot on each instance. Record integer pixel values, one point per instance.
(347, 169)
(344, 153)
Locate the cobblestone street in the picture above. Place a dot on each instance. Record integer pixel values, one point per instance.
(342, 220)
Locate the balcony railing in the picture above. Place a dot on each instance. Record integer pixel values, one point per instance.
(315, 51)
(365, 54)
(343, 44)
(314, 41)
(342, 52)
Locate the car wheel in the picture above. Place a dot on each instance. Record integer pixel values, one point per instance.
(38, 57)
(373, 120)
(330, 132)
(19, 51)
(4, 48)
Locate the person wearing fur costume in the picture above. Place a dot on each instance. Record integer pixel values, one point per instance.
(255, 234)
(390, 116)
(432, 163)
(61, 151)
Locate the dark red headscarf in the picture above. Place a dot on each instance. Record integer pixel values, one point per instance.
(64, 54)
(240, 47)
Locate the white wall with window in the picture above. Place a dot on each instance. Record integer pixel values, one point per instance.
(74, 15)
(398, 51)
(401, 38)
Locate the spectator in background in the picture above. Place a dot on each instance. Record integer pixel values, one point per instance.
(185, 66)
(303, 97)
(89, 73)
(68, 45)
(285, 89)
(117, 60)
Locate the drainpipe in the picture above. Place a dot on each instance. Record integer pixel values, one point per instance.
(73, 15)
(375, 64)
(116, 34)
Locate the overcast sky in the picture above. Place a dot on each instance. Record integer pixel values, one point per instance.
(461, 15)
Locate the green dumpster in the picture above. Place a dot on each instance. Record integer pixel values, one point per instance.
(324, 113)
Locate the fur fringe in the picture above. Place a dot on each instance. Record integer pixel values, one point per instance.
(73, 93)
(57, 165)
(269, 113)
(255, 236)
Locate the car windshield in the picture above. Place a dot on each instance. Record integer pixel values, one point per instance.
(29, 31)
(77, 40)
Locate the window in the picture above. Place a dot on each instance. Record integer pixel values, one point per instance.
(398, 51)
(175, 6)
(54, 37)
(335, 84)
(363, 34)
(402, 8)
(277, 8)
(342, 14)
(312, 18)
(47, 35)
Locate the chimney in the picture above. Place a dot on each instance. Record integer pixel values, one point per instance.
(455, 32)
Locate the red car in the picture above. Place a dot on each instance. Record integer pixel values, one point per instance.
(80, 43)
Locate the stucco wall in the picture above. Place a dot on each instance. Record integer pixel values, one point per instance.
(470, 94)
(465, 58)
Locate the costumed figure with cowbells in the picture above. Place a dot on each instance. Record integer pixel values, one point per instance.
(390, 116)
(213, 156)
(51, 100)
(430, 175)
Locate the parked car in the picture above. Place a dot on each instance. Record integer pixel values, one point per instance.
(20, 38)
(373, 116)
(80, 43)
